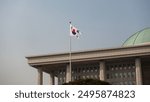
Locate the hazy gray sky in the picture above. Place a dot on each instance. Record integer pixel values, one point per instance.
(33, 27)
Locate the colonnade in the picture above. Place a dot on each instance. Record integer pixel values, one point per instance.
(102, 73)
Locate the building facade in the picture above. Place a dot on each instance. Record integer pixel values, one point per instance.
(126, 65)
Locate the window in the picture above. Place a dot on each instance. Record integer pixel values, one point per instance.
(121, 66)
(133, 66)
(122, 71)
(87, 70)
(79, 70)
(116, 68)
(79, 77)
(60, 79)
(72, 78)
(129, 74)
(72, 70)
(107, 68)
(112, 68)
(108, 76)
(111, 76)
(83, 70)
(75, 70)
(133, 82)
(75, 77)
(126, 83)
(95, 68)
(120, 75)
(129, 67)
(125, 75)
(91, 77)
(133, 74)
(63, 79)
(96, 76)
(125, 66)
(116, 75)
(83, 77)
(64, 71)
(129, 83)
(60, 72)
(121, 83)
(91, 69)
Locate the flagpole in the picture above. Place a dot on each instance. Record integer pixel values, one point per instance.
(75, 33)
(70, 56)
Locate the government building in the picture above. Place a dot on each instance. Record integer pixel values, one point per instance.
(125, 65)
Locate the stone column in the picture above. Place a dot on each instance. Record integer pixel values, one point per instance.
(102, 70)
(52, 78)
(138, 71)
(40, 76)
(68, 73)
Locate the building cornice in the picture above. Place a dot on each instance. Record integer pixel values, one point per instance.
(98, 54)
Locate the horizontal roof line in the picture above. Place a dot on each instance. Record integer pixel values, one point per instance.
(94, 50)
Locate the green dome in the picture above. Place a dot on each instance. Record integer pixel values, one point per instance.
(141, 37)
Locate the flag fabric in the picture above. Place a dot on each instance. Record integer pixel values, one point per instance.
(74, 31)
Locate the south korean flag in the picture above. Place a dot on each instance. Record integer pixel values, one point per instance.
(74, 31)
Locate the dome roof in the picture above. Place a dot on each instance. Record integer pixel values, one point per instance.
(140, 37)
